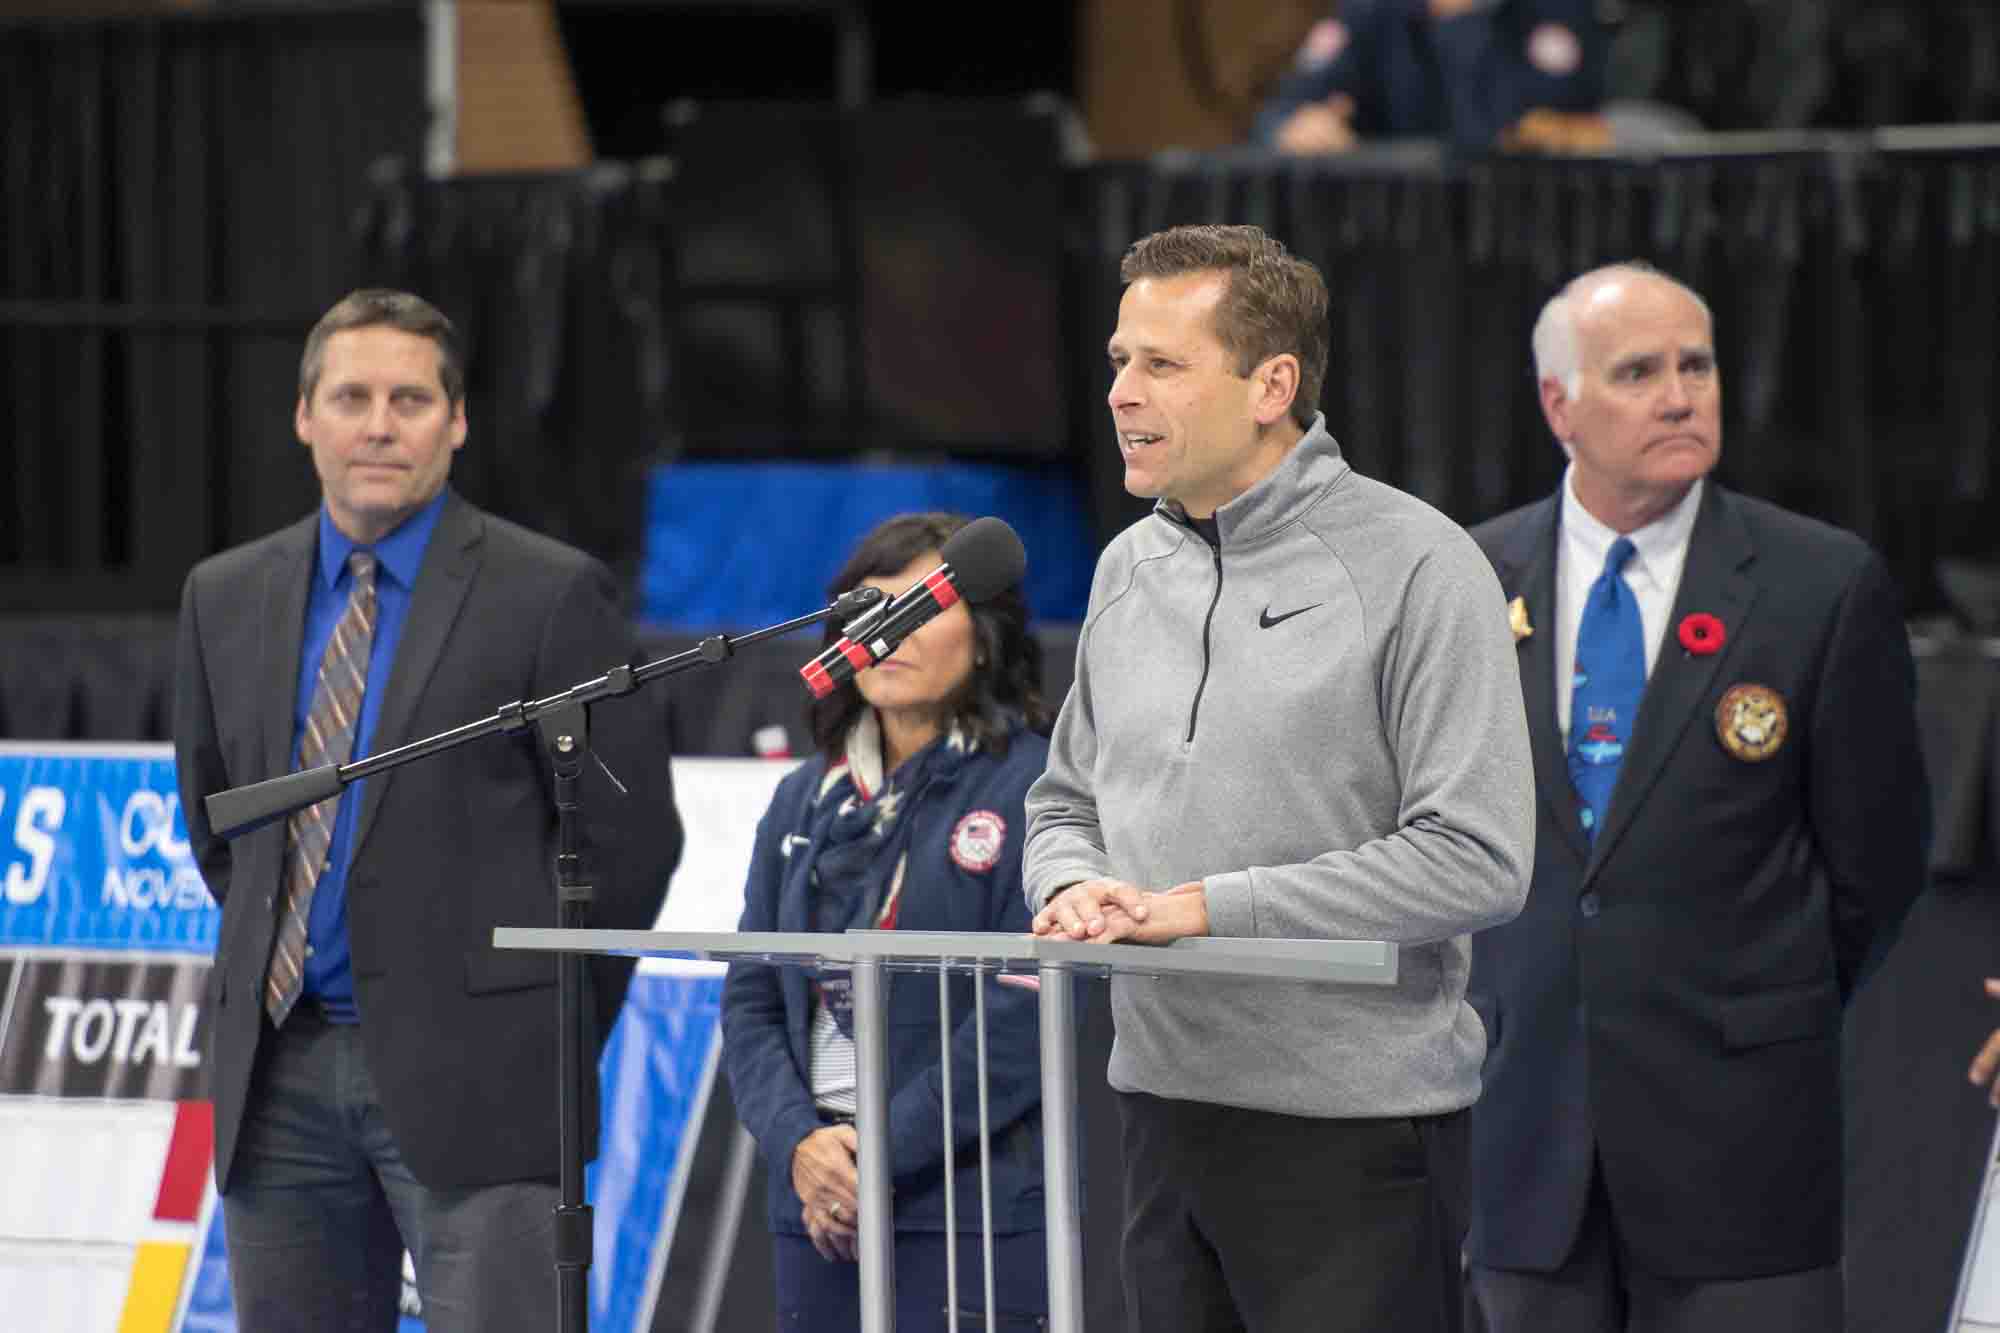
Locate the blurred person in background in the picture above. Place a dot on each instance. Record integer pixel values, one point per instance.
(1465, 71)
(909, 817)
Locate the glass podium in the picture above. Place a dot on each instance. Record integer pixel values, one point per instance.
(1053, 965)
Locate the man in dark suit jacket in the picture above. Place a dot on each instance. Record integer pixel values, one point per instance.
(1658, 1142)
(392, 1083)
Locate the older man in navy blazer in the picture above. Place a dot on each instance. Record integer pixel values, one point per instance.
(1733, 820)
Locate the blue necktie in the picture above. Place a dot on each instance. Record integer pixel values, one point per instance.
(1604, 699)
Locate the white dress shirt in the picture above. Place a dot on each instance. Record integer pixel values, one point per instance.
(1653, 574)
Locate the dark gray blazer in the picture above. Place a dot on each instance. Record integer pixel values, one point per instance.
(460, 1038)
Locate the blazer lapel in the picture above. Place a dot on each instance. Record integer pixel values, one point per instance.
(442, 584)
(287, 584)
(1529, 572)
(1715, 579)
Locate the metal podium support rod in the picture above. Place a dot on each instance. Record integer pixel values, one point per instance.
(950, 1176)
(985, 1143)
(871, 1124)
(1061, 1196)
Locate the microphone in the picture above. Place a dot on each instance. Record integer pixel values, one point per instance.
(981, 560)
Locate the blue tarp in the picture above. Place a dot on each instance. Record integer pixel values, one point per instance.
(733, 546)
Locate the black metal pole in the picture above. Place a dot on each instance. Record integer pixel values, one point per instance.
(237, 811)
(565, 734)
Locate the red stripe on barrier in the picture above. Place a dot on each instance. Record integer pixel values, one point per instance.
(942, 589)
(817, 680)
(855, 653)
(189, 1153)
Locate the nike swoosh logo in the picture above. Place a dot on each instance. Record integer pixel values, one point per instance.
(1266, 620)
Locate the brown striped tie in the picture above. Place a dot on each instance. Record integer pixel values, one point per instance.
(329, 739)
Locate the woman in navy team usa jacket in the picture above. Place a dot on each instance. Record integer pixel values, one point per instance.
(910, 816)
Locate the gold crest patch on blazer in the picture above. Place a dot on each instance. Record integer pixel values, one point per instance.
(1751, 722)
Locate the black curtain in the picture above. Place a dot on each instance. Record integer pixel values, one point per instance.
(1852, 290)
(561, 288)
(175, 212)
(182, 196)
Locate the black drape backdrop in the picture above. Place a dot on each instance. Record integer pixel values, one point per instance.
(561, 288)
(182, 197)
(1853, 291)
(174, 210)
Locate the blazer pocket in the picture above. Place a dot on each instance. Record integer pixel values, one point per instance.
(1789, 1013)
(490, 971)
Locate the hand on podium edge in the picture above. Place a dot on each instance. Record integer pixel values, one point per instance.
(1108, 911)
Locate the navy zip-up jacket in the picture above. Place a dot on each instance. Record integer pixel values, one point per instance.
(767, 1011)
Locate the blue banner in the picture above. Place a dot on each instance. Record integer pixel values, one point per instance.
(653, 1078)
(94, 853)
(95, 870)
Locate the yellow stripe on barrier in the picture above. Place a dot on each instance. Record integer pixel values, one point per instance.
(157, 1269)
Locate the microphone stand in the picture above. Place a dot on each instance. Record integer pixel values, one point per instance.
(563, 721)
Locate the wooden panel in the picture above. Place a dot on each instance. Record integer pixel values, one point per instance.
(1192, 74)
(518, 108)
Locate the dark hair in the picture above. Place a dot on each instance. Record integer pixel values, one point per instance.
(1275, 302)
(372, 307)
(1006, 680)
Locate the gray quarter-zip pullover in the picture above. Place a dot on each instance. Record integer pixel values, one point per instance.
(1321, 720)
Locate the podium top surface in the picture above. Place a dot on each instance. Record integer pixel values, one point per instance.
(1355, 962)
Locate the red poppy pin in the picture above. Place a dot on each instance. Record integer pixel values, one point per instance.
(1702, 634)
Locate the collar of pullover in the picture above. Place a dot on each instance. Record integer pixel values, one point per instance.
(1312, 468)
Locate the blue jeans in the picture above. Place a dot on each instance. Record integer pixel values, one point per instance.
(320, 1208)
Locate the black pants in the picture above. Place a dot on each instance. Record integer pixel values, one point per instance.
(1248, 1221)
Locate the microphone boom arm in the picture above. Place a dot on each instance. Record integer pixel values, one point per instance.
(239, 810)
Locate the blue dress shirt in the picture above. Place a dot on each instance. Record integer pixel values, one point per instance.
(329, 969)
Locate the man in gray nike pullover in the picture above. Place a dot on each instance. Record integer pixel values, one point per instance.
(1296, 714)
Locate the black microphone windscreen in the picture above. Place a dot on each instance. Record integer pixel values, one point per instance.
(987, 558)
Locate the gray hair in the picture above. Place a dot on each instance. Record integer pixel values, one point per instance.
(1554, 338)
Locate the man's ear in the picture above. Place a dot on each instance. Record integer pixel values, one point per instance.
(1277, 383)
(301, 415)
(1555, 408)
